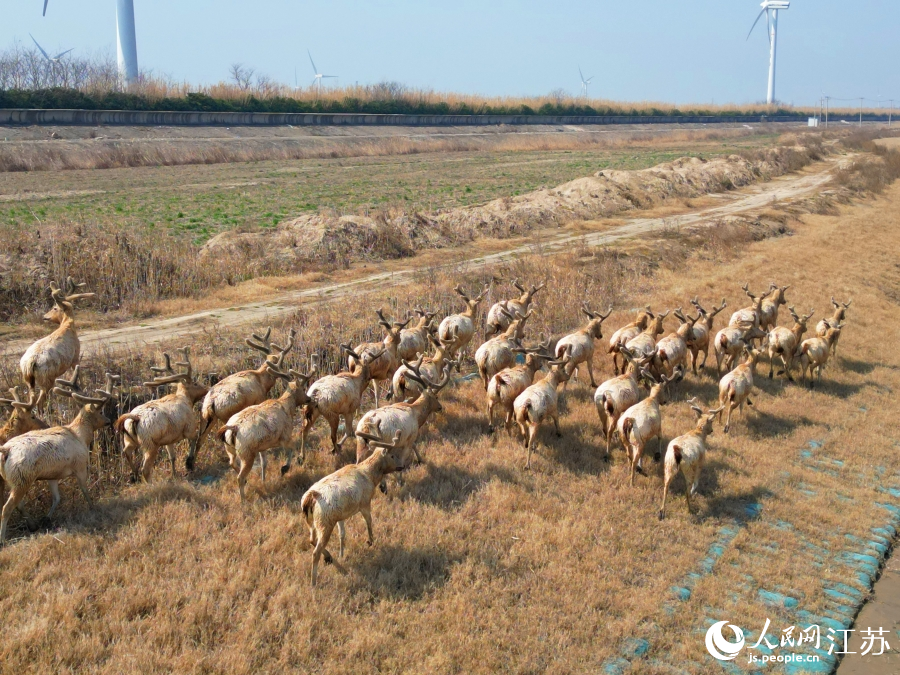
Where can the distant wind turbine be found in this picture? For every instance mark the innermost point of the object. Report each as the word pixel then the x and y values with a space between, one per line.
pixel 584 82
pixel 317 80
pixel 51 59
pixel 770 9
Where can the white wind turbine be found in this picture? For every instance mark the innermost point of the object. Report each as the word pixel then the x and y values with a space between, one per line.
pixel 126 42
pixel 770 9
pixel 317 80
pixel 51 59
pixel 584 82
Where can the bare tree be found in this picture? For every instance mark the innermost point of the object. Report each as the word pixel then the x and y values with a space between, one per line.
pixel 242 76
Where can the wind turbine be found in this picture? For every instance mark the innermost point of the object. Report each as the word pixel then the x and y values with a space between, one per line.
pixel 317 80
pixel 770 9
pixel 584 82
pixel 51 59
pixel 126 42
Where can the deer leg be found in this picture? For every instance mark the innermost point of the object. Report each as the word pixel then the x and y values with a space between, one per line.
pixel 246 468
pixel 731 406
pixel 16 495
pixel 170 451
pixel 590 369
pixel 81 475
pixel 54 490
pixel 324 536
pixel 490 415
pixel 529 444
pixel 341 534
pixel 367 516
pixel 375 389
pixel 150 455
pixel 670 475
pixel 262 465
pixel 205 426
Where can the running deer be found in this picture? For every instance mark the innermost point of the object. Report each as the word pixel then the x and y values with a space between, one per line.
pixel 261 427
pixel 408 389
pixel 498 321
pixel 748 315
pixel 415 340
pixel 497 353
pixel 768 309
pixel 730 342
pixel 381 367
pixel 783 342
pixel 672 350
pixel 539 402
pixel 505 386
pixel 162 422
pixel 241 390
pixel 687 454
pixel 735 388
pixel 840 311
pixel 701 332
pixel 55 453
pixel 342 494
pixel 641 422
pixel 813 353
pixel 456 330
pixel 580 344
pixel 334 397
pixel 621 337
pixel 644 343
pixel 618 394
pixel 21 419
pixel 53 356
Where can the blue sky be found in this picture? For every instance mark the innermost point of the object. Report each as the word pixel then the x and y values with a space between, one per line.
pixel 663 50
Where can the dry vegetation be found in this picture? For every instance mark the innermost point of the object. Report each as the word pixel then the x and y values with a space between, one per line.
pixel 479 566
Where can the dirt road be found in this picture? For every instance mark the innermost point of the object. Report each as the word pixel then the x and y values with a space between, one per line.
pixel 753 198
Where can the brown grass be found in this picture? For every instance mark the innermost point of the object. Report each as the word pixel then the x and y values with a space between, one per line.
pixel 479 566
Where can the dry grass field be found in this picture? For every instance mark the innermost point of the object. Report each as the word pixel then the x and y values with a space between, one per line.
pixel 479 565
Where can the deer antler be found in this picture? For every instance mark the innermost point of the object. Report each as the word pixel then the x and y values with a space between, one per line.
pixel 515 282
pixel 260 342
pixel 283 350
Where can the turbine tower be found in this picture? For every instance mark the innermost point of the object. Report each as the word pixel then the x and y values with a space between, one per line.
pixel 584 82
pixel 770 9
pixel 126 42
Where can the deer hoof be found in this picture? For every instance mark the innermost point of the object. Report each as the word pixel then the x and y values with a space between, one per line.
pixel 285 468
pixel 326 556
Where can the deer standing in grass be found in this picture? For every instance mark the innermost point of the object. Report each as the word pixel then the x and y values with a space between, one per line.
pixel 334 397
pixel 644 343
pixel 409 389
pixel 498 320
pixel 783 342
pixel 415 340
pixel 162 422
pixel 241 390
pixel 735 387
pixel 580 344
pixel 768 308
pixel 539 402
pixel 505 386
pixel 497 353
pixel 840 311
pixel 21 419
pixel 672 350
pixel 687 453
pixel 641 422
pixel 456 330
pixel 701 332
pixel 382 366
pixel 261 427
pixel 342 494
pixel 53 356
pixel 618 394
pixel 748 315
pixel 730 342
pixel 622 336
pixel 813 353
pixel 56 453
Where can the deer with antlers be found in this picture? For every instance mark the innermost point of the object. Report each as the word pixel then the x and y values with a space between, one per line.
pixel 783 342
pixel 731 341
pixel 735 387
pixel 55 453
pixel 415 340
pixel 505 386
pixel 626 333
pixel 382 366
pixel 334 397
pixel 641 422
pixel 813 353
pixel 241 390
pixel 768 308
pixel 619 393
pixel 497 353
pixel 343 494
pixel 53 356
pixel 498 320
pixel 750 315
pixel 580 344
pixel 22 418
pixel 698 341
pixel 162 422
pixel 409 389
pixel 644 343
pixel 840 312
pixel 261 427
pixel 539 402
pixel 457 330
pixel 672 350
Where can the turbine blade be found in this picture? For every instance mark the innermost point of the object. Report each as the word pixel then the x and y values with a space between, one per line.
pixel 62 54
pixel 46 55
pixel 314 82
pixel 315 70
pixel 45 7
pixel 580 74
pixel 590 78
pixel 758 17
pixel 330 76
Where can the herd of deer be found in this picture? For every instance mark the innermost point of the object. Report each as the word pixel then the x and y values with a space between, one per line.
pixel 251 423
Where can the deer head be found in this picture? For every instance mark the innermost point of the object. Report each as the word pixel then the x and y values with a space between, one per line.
pixel 62 301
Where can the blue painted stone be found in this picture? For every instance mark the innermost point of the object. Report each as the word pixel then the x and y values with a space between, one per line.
pixel 753 510
pixel 635 648
pixel 683 594
pixel 615 666
pixel 815 444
